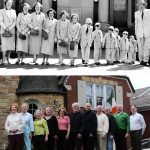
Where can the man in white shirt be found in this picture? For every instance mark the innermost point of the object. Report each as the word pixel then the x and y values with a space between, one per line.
pixel 142 32
pixel 137 128
pixel 102 129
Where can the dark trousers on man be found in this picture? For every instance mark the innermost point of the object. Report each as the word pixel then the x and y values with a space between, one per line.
pixel 75 142
pixel 88 142
pixel 120 140
pixel 136 137
pixel 16 142
pixel 39 142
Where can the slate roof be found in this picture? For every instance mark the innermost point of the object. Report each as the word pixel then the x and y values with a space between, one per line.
pixel 40 84
pixel 141 99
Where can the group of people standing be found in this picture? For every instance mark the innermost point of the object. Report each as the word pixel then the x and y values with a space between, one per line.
pixel 87 130
pixel 36 34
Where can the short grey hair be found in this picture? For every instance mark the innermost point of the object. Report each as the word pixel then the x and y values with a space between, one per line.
pixel 76 104
pixel 37 111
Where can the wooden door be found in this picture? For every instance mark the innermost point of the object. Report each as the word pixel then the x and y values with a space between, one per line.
pixel 120 13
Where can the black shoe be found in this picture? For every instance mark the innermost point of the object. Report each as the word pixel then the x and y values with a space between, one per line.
pixel 17 62
pixel 47 63
pixel 111 63
pixel 22 63
pixel 145 64
pixel 62 64
pixel 85 64
pixel 83 61
pixel 142 62
pixel 36 64
pixel 97 63
pixel 42 63
pixel 71 65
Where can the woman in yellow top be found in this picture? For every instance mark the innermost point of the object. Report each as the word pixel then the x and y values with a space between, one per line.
pixel 41 131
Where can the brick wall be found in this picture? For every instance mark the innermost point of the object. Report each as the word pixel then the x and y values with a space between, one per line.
pixel 73 95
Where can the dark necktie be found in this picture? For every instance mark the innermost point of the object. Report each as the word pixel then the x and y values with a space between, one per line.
pixel 142 14
pixel 87 30
pixel 110 35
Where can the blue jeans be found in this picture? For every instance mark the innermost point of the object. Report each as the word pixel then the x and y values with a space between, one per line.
pixel 110 142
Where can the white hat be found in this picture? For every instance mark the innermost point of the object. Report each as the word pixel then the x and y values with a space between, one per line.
pixel 88 21
pixel 125 32
pixel 111 28
pixel 97 24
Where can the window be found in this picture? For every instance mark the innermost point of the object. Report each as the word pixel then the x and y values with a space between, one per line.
pixel 33 106
pixel 97 94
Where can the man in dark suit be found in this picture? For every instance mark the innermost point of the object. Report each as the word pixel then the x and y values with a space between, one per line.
pixel 89 128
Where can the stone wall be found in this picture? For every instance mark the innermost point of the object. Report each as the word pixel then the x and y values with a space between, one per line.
pixel 55 101
pixel 8 87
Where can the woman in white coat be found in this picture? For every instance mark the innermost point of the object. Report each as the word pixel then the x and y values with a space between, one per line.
pixel 37 18
pixel 50 27
pixel 23 21
pixel 7 23
pixel 62 35
pixel 73 33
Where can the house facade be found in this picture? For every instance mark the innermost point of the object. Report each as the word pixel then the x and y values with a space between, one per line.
pixel 58 91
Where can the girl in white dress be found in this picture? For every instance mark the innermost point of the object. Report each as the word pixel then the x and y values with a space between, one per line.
pixel 23 21
pixel 7 23
pixel 73 33
pixel 37 19
pixel 50 27
pixel 62 35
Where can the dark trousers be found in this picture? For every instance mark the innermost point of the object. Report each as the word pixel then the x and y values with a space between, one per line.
pixel 62 143
pixel 16 142
pixel 120 140
pixel 136 137
pixel 39 142
pixel 50 145
pixel 74 142
pixel 88 142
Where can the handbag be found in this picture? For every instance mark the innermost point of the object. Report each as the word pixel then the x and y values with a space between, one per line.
pixel 34 32
pixel 72 45
pixel 44 34
pixel 7 34
pixel 22 37
pixel 63 44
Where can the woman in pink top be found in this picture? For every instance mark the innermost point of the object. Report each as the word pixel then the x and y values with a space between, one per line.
pixel 64 129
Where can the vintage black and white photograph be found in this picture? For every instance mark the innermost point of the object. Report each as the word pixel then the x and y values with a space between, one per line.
pixel 72 36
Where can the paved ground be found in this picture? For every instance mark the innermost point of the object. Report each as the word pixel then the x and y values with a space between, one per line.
pixel 136 72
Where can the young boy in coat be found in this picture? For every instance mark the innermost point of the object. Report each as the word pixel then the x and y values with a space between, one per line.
pixel 86 38
pixel 124 47
pixel 97 37
pixel 132 50
pixel 110 44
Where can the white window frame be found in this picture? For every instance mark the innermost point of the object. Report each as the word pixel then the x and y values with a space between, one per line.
pixel 94 102
pixel 36 102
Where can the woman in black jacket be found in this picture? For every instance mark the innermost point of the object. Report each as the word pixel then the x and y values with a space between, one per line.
pixel 53 128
